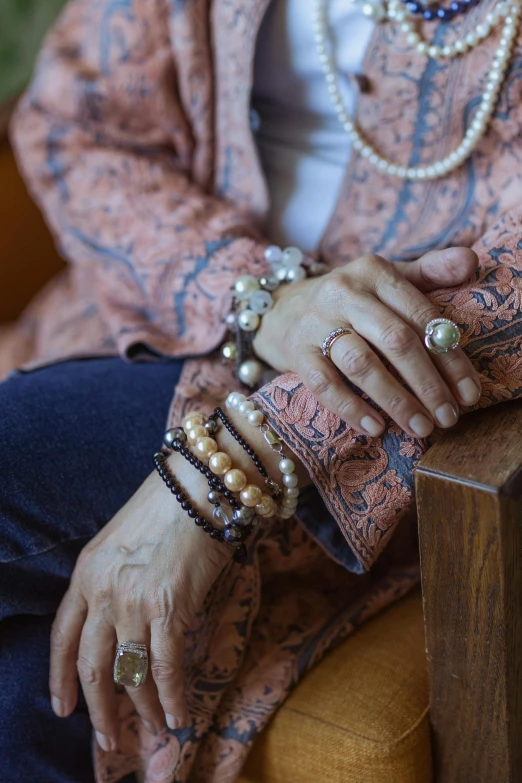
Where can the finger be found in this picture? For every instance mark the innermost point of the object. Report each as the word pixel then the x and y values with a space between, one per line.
pixel 402 346
pixel 166 662
pixel 95 669
pixel 440 268
pixel 322 379
pixel 413 307
pixel 145 697
pixel 65 640
pixel 360 364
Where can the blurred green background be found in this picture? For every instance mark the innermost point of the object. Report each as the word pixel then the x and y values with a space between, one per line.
pixel 23 24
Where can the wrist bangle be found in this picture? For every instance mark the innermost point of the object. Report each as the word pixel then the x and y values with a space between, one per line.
pixel 252 299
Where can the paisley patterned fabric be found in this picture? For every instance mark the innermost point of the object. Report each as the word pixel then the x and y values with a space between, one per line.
pixel 135 140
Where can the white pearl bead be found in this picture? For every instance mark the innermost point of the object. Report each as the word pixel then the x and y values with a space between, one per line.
pixel 250 372
pixel 291 492
pixel 295 274
pixel 286 465
pixel 248 321
pixel 260 302
pixel 290 480
pixel 233 400
pixel 292 256
pixel 281 273
pixel 246 407
pixel 273 254
pixel 256 418
pixel 245 285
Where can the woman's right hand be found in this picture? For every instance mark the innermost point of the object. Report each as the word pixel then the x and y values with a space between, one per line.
pixel 386 306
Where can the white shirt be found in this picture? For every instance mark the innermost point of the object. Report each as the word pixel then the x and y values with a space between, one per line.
pixel 303 148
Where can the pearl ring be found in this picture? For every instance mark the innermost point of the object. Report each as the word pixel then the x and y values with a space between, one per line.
pixel 442 335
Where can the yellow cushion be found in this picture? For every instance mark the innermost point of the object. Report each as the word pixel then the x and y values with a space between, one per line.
pixel 361 716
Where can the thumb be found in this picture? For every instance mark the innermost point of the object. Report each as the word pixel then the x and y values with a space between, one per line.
pixel 440 268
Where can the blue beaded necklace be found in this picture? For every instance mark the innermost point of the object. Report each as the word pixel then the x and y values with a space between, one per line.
pixel 436 12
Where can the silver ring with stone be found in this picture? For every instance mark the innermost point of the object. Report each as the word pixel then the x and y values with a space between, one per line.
pixel 131 664
pixel 332 337
pixel 442 335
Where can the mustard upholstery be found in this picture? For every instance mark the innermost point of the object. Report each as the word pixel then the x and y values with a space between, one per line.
pixel 361 716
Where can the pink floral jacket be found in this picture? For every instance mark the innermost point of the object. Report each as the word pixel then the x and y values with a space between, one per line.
pixel 135 140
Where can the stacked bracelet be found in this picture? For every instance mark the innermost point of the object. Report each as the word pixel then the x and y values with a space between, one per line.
pixel 255 417
pixel 252 299
pixel 160 463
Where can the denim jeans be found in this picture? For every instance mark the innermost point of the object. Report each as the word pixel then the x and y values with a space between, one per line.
pixel 76 441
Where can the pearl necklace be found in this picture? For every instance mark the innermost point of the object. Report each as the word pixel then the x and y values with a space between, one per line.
pixel 407 25
pixel 474 132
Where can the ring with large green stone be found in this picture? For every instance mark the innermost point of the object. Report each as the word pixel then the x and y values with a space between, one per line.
pixel 442 335
pixel 131 664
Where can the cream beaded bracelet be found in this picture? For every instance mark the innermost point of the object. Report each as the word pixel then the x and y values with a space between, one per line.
pixel 256 418
pixel 252 299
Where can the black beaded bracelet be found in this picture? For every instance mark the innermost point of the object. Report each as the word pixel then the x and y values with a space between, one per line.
pixel 233 536
pixel 272 485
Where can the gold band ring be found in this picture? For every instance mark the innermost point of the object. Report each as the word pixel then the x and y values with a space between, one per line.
pixel 332 337
pixel 131 664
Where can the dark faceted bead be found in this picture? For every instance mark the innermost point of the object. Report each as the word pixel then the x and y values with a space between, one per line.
pixel 186 504
pixel 207 527
pixel 208 473
pixel 429 14
pixel 214 533
pixel 176 446
pixel 176 488
pixel 415 8
pixel 228 494
pixel 169 482
pixel 180 497
pixel 199 521
pixel 249 451
pixel 192 512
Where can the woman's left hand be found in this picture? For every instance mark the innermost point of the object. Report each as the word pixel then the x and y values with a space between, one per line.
pixel 141 579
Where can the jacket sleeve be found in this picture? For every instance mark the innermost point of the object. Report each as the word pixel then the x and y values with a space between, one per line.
pixel 103 140
pixel 367 483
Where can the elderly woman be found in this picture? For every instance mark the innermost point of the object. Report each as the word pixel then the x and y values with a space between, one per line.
pixel 307 202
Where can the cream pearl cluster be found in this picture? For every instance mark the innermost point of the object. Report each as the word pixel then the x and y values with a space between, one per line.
pixel 399 14
pixel 256 418
pixel 482 116
pixel 199 432
pixel 252 299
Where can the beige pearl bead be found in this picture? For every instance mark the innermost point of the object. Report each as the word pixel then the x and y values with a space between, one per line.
pixel 265 505
pixel 193 420
pixel 256 418
pixel 206 447
pixel 220 463
pixel 235 480
pixel 197 432
pixel 251 495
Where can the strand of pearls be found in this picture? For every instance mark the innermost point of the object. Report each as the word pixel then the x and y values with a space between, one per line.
pixel 398 14
pixel 474 132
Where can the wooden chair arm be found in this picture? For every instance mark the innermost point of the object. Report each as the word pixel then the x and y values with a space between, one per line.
pixel 469 500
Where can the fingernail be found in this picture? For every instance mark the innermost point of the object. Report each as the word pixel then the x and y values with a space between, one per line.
pixel 58 706
pixel 371 425
pixel 469 391
pixel 446 415
pixel 103 741
pixel 172 722
pixel 421 425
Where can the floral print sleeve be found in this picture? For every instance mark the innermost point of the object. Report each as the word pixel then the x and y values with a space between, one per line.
pixel 118 154
pixel 367 483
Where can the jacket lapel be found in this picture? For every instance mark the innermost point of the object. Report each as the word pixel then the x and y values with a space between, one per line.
pixel 238 175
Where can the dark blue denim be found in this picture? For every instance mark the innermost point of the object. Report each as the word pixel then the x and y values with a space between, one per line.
pixel 76 440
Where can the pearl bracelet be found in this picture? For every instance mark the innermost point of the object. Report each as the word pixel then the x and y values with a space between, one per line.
pixel 252 299
pixel 256 418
